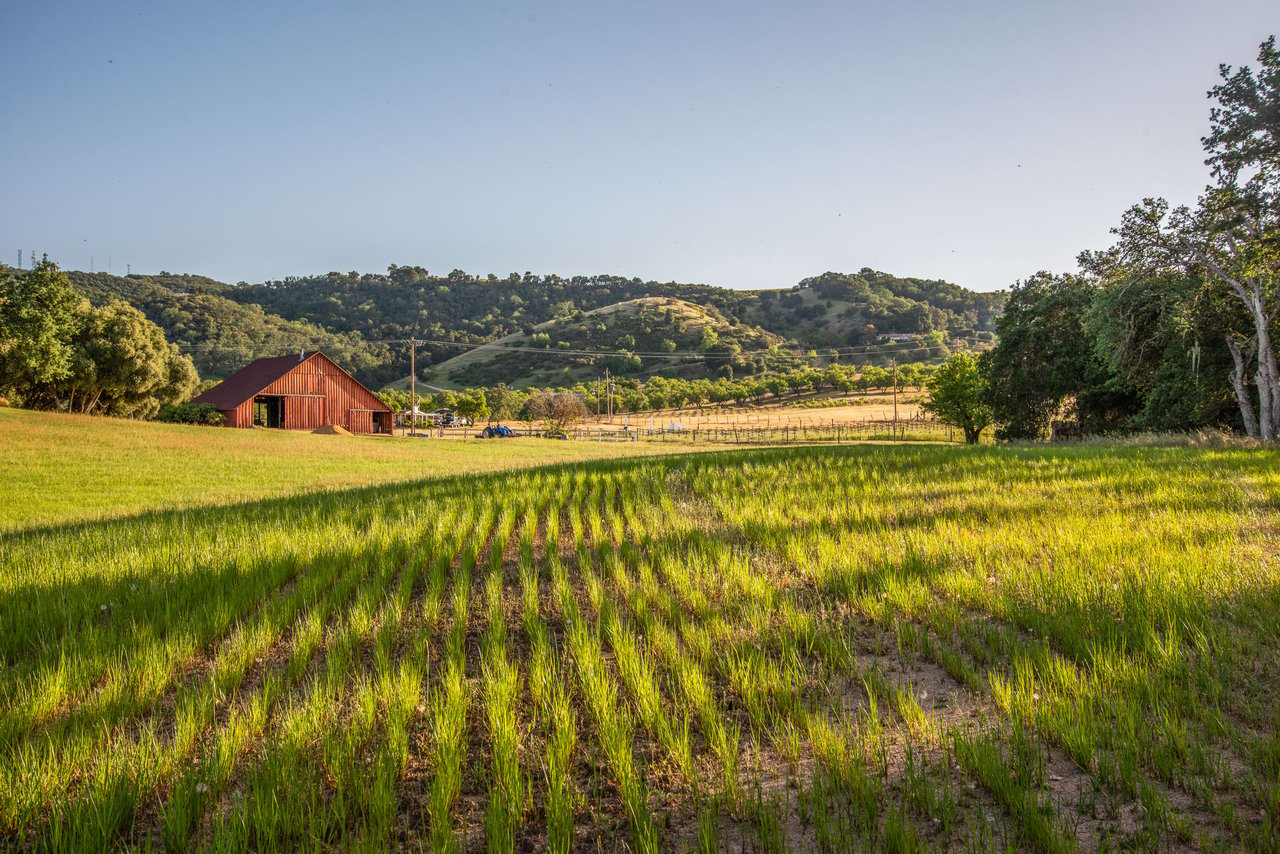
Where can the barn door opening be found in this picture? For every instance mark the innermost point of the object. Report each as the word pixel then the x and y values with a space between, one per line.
pixel 268 412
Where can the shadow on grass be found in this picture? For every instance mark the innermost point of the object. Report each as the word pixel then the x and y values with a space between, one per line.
pixel 63 609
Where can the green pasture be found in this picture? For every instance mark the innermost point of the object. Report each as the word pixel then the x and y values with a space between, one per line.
pixel 828 648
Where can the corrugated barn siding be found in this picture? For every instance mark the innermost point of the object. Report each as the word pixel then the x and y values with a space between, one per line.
pixel 241 416
pixel 303 413
pixel 316 393
pixel 360 421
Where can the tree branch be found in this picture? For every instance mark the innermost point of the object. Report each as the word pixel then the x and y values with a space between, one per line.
pixel 1221 273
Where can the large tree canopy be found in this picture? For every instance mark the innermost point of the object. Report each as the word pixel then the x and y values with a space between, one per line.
pixel 1045 364
pixel 59 352
pixel 957 396
pixel 1245 119
pixel 123 366
pixel 40 314
pixel 1229 241
pixel 1159 337
pixel 1173 326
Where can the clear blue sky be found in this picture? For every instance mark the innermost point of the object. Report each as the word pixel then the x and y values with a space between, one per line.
pixel 734 143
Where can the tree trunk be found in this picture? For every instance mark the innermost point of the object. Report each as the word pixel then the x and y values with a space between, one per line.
pixel 1267 376
pixel 972 435
pixel 1266 426
pixel 1239 383
pixel 1251 292
pixel 1267 363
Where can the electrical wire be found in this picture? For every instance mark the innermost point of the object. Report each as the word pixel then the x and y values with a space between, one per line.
pixel 890 348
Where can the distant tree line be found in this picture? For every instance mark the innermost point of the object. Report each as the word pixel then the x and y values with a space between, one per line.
pixel 832 310
pixel 352 316
pixel 60 352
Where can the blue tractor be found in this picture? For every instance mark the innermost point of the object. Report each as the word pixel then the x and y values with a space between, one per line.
pixel 497 431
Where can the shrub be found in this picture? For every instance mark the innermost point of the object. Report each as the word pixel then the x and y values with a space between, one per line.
pixel 557 412
pixel 190 413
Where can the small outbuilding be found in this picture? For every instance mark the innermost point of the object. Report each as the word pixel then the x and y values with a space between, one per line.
pixel 302 392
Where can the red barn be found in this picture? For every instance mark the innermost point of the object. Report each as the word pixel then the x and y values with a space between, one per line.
pixel 298 393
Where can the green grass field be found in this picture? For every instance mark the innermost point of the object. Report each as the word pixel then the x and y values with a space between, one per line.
pixel 831 649
pixel 61 468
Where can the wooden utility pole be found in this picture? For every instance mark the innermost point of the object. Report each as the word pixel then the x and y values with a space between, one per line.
pixel 608 390
pixel 894 361
pixel 413 389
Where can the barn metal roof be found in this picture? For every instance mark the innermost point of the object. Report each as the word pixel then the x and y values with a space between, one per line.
pixel 245 383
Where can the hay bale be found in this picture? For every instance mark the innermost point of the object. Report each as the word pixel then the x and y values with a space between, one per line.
pixel 332 430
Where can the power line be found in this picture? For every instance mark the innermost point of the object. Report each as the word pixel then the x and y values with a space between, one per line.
pixel 891 348
pixel 827 352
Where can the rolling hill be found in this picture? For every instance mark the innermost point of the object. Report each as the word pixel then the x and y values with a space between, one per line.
pixel 543 330
pixel 650 336
pixel 222 335
pixel 841 310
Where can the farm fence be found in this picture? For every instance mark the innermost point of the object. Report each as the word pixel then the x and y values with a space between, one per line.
pixel 859 431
